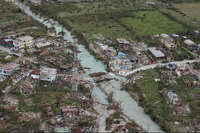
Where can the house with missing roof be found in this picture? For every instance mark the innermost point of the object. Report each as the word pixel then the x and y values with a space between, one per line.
pixel 189 44
pixel 8 69
pixel 35 74
pixel 8 43
pixel 41 42
pixel 156 55
pixel 168 41
pixel 27 89
pixel 23 41
pixel 48 74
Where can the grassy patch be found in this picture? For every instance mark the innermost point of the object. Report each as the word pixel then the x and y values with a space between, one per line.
pixel 13 20
pixel 145 23
pixel 111 118
pixel 154 103
pixel 98 24
pixel 186 13
pixel 149 86
pixel 150 98
pixel 69 8
pixel 196 66
pixel 180 54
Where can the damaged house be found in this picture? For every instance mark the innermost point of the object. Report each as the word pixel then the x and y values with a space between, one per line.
pixel 8 69
pixel 156 54
pixel 41 42
pixel 173 97
pixel 24 41
pixel 35 74
pixel 48 74
pixel 27 89
pixel 167 41
pixel 123 43
pixel 189 44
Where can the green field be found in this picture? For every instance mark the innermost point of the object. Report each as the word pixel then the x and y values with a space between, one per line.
pixel 151 22
pixel 100 18
pixel 91 17
pixel 186 13
pixel 72 8
pixel 190 9
pixel 149 97
pixel 98 24
pixel 142 23
pixel 13 20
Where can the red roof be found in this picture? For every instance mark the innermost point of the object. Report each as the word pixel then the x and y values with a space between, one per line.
pixel 35 72
pixel 1 122
pixel 8 66
pixel 2 40
pixel 64 109
pixel 76 130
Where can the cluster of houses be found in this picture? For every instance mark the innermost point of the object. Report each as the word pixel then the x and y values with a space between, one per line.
pixel 171 71
pixel 170 42
pixel 26 41
pixel 122 63
pixel 7 69
pixel 49 65
pixel 44 74
pixel 61 123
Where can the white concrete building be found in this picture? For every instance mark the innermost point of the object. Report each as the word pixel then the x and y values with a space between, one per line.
pixel 24 41
pixel 48 74
pixel 157 54
pixel 172 97
pixel 35 74
pixel 39 43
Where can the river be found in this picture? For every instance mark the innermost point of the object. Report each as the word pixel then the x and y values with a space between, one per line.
pixel 127 104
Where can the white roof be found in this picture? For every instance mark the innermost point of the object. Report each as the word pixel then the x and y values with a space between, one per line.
pixel 122 40
pixel 189 42
pixel 156 53
pixel 175 35
pixel 47 72
pixel 196 31
pixel 42 44
pixel 104 47
pixel 25 38
pixel 164 35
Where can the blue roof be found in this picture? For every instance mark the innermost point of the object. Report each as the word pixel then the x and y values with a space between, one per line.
pixel 121 54
pixel 126 60
pixel 124 67
pixel 115 58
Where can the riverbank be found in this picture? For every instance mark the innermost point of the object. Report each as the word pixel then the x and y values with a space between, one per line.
pixel 123 98
pixel 152 89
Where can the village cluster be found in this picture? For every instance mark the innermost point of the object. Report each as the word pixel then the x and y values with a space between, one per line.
pixel 137 82
pixel 41 67
pixel 127 55
pixel 169 89
pixel 38 64
pixel 19 47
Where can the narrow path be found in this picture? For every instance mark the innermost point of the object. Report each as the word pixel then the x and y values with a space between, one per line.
pixel 160 64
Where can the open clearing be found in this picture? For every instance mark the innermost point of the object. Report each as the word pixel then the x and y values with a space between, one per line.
pixel 151 22
pixel 111 18
pixel 186 13
pixel 190 9
pixel 98 24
